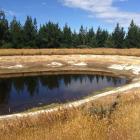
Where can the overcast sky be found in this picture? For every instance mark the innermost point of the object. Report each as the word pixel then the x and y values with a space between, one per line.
pixel 103 13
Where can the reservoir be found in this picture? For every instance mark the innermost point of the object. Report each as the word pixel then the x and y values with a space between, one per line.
pixel 19 94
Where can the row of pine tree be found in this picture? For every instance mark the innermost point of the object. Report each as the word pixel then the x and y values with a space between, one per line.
pixel 50 35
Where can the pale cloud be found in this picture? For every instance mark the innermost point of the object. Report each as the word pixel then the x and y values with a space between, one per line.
pixel 9 12
pixel 104 9
pixel 43 3
pixel 123 0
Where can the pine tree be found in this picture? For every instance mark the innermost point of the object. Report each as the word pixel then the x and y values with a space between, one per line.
pixel 133 36
pixel 75 38
pixel 82 36
pixel 30 32
pixel 67 36
pixel 109 43
pixel 4 29
pixel 50 36
pixel 16 34
pixel 118 36
pixel 91 38
pixel 101 37
pixel 54 35
pixel 42 38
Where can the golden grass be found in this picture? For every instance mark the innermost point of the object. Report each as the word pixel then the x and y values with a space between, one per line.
pixel 99 120
pixel 111 118
pixel 96 51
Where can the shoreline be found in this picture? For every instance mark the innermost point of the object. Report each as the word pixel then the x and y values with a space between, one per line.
pixel 86 64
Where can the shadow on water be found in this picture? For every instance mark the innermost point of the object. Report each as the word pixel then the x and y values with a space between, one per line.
pixel 21 93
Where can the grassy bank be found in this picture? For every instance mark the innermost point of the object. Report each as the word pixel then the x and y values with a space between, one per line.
pixel 109 118
pixel 96 51
pixel 114 118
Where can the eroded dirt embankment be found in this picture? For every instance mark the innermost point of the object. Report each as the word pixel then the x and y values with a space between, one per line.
pixel 111 65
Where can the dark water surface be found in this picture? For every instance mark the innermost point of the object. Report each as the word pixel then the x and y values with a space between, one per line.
pixel 21 93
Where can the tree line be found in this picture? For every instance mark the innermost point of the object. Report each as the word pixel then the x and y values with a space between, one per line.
pixel 15 35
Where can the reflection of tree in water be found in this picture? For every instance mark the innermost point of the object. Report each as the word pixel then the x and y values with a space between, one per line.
pixel 51 81
pixel 102 77
pixel 5 87
pixel 119 80
pixel 67 79
pixel 91 78
pixel 77 77
pixel 18 84
pixel 109 79
pixel 97 78
pixel 115 81
pixel 32 85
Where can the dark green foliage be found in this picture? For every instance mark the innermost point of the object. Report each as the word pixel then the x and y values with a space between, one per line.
pixel 74 39
pixel 133 36
pixel 42 37
pixel 16 34
pixel 4 29
pixel 109 43
pixel 53 35
pixel 101 37
pixel 30 32
pixel 50 35
pixel 91 38
pixel 66 36
pixel 118 37
pixel 82 37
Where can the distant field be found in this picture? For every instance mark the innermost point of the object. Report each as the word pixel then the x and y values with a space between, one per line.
pixel 96 51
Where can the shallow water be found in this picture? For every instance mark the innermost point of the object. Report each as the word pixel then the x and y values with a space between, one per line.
pixel 21 93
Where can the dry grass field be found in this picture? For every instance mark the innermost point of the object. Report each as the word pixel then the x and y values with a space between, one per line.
pixel 115 117
pixel 96 51
pixel 108 120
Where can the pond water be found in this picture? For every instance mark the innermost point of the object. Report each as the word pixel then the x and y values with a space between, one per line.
pixel 21 93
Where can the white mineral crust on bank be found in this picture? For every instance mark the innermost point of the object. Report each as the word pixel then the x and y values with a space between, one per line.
pixel 55 64
pixel 80 64
pixel 13 67
pixel 134 68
